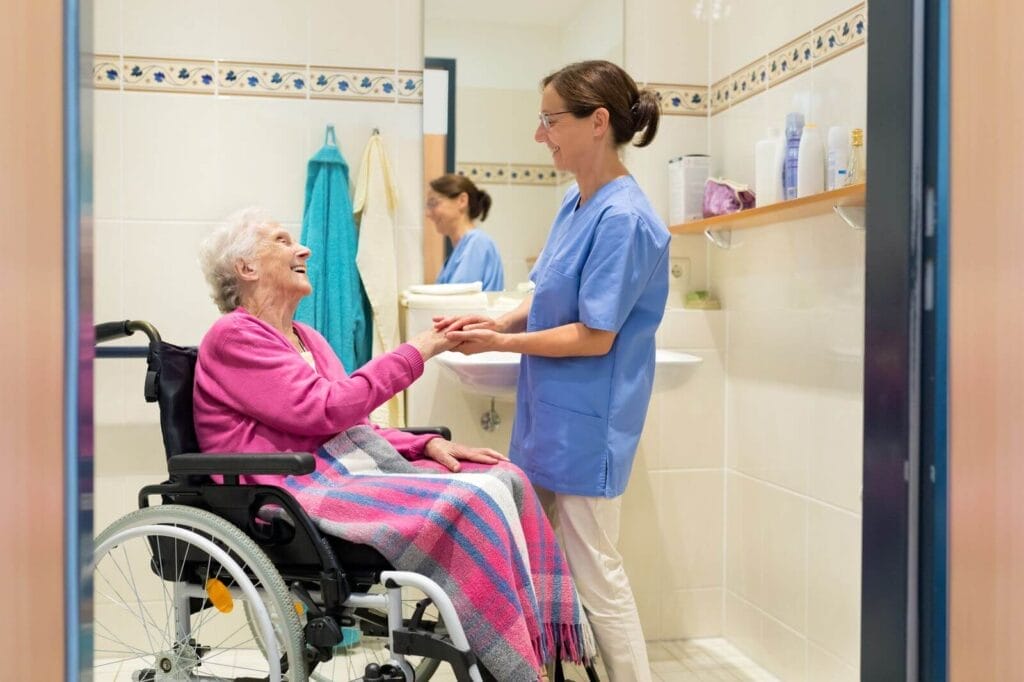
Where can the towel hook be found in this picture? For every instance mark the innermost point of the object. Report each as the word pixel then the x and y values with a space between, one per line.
pixel 329 137
pixel 376 131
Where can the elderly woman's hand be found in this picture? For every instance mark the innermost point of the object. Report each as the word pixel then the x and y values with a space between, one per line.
pixel 448 453
pixel 429 343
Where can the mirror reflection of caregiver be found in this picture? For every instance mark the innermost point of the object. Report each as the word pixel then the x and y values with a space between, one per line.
pixel 453 203
pixel 587 339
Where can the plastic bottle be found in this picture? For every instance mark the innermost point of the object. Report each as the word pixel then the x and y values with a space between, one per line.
pixel 767 169
pixel 837 157
pixel 810 163
pixel 857 170
pixel 794 127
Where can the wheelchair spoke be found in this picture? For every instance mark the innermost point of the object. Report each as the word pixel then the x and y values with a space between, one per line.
pixel 139 574
pixel 130 583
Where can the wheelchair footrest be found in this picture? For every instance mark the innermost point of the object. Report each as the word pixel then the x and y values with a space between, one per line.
pixel 420 643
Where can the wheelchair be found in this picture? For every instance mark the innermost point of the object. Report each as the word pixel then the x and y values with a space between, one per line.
pixel 235 582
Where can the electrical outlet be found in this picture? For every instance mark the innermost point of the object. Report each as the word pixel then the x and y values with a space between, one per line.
pixel 678 270
pixel 678 279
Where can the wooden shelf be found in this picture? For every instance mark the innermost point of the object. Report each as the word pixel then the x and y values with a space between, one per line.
pixel 784 211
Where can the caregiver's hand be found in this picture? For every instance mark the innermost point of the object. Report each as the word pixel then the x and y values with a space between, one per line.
pixel 448 453
pixel 457 323
pixel 472 341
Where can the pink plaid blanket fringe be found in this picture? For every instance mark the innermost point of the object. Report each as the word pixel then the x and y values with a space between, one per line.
pixel 480 534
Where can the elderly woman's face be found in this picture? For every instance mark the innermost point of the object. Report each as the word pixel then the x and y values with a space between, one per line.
pixel 281 261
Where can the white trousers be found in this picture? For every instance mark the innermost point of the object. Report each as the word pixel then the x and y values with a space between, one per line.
pixel 588 530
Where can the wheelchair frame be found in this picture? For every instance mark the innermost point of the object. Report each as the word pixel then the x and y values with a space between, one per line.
pixel 301 555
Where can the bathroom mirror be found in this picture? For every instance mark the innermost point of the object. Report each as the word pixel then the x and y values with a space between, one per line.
pixel 500 51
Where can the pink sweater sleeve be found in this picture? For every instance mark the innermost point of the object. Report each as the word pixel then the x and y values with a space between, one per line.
pixel 252 369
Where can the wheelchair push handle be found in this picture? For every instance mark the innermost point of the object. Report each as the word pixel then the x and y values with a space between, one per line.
pixel 108 331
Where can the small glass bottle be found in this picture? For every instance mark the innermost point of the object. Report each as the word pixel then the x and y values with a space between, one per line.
pixel 857 170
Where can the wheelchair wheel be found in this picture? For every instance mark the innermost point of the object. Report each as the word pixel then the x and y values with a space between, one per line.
pixel 167 580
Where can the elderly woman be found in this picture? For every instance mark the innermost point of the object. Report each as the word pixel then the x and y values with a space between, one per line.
pixel 267 383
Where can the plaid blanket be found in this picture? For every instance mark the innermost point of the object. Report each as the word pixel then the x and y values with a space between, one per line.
pixel 480 534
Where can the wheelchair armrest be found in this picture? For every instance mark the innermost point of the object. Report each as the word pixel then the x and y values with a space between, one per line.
pixel 241 463
pixel 442 431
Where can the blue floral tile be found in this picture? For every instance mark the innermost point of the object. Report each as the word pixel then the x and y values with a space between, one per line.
pixel 681 100
pixel 841 34
pixel 366 84
pixel 490 173
pixel 106 72
pixel 145 73
pixel 273 80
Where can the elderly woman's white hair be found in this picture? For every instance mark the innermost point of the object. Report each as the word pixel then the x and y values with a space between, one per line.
pixel 234 240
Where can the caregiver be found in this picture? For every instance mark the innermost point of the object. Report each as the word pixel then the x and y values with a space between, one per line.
pixel 587 339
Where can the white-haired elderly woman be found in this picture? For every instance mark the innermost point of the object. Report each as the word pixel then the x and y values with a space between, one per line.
pixel 267 383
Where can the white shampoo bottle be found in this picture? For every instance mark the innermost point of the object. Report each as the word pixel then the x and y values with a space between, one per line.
pixel 837 158
pixel 768 169
pixel 810 173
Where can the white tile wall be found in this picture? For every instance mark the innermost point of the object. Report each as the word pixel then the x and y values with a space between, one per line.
pixel 665 42
pixel 189 28
pixel 497 125
pixel 272 31
pixel 170 157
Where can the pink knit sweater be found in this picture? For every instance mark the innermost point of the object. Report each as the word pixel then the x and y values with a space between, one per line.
pixel 254 393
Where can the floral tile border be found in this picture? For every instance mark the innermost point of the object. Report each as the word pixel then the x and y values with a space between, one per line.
pixel 511 173
pixel 112 72
pixel 374 84
pixel 831 39
pixel 681 100
pixel 281 80
pixel 214 77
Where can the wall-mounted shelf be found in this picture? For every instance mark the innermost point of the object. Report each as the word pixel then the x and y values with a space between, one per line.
pixel 784 211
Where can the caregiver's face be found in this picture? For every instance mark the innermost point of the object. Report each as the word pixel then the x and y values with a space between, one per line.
pixel 560 130
pixel 445 211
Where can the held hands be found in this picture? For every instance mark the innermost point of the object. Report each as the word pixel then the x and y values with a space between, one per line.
pixel 431 342
pixel 472 333
pixel 448 453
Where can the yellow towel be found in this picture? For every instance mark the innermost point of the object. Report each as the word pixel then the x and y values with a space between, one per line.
pixel 374 204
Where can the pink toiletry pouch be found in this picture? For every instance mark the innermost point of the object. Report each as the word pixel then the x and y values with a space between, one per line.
pixel 722 196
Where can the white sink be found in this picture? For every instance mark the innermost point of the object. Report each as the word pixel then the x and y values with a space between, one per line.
pixel 495 373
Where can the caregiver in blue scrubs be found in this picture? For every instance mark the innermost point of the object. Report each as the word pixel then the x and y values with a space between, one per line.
pixel 587 339
pixel 454 203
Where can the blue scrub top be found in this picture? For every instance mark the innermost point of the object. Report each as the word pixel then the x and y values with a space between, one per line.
pixel 475 259
pixel 578 419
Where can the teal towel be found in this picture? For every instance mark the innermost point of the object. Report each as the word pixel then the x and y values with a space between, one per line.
pixel 338 307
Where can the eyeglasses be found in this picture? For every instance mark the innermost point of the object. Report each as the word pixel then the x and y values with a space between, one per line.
pixel 545 117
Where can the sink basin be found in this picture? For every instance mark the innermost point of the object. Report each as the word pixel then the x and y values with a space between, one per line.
pixel 495 373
